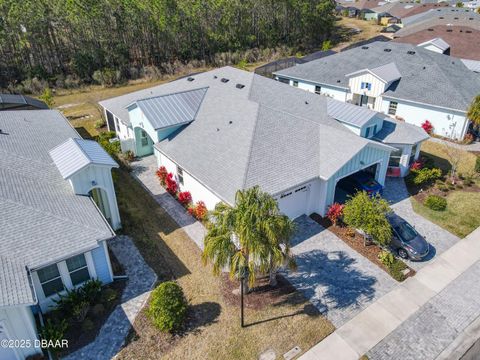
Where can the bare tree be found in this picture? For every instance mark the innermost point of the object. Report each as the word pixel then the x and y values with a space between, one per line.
pixel 454 156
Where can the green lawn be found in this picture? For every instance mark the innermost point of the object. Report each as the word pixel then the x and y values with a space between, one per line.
pixel 436 151
pixel 461 216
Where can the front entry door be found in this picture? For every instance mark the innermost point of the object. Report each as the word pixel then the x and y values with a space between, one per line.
pixel 363 100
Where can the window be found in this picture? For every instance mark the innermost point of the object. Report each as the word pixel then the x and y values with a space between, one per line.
pixel 117 126
pixel 395 157
pixel 50 280
pixel 295 83
pixel 318 89
pixel 180 175
pixel 367 132
pixel 392 108
pixel 412 154
pixel 366 85
pixel 78 269
pixel 144 138
pixel 283 80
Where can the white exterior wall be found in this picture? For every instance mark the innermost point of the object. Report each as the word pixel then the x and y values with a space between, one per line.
pixel 377 88
pixel 95 176
pixel 448 123
pixel 18 323
pixel 138 119
pixel 198 191
pixel 330 91
pixel 47 303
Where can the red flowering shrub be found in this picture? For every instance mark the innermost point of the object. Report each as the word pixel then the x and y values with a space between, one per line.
pixel 417 165
pixel 171 184
pixel 335 212
pixel 427 126
pixel 198 211
pixel 162 175
pixel 185 198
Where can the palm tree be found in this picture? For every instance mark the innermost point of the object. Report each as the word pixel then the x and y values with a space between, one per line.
pixel 249 237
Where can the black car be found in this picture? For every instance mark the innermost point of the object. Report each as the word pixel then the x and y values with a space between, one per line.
pixel 406 240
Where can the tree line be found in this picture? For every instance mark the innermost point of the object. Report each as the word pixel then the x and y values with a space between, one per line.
pixel 47 38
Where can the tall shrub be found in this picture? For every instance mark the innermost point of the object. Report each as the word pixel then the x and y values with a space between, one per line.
pixel 168 306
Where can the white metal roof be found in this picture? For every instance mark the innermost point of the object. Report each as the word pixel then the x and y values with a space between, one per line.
pixel 74 154
pixel 438 42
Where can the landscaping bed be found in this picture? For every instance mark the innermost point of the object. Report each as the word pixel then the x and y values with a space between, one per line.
pixel 371 251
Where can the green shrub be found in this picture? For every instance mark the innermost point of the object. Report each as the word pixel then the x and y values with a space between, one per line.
pixel 386 258
pixel 80 310
pixel 99 124
pixel 54 332
pixel 108 296
pixel 91 290
pixel 168 306
pixel 98 310
pixel 443 187
pixel 451 186
pixel 477 164
pixel 436 203
pixel 459 186
pixel 88 325
pixel 425 175
pixel 396 270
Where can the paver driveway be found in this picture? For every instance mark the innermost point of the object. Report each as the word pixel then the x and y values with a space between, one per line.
pixel 439 239
pixel 335 278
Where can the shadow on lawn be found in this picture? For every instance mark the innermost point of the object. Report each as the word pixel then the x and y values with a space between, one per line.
pixel 201 315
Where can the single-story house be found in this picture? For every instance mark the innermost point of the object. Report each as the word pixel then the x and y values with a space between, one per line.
pixel 20 102
pixel 57 210
pixel 401 80
pixel 229 129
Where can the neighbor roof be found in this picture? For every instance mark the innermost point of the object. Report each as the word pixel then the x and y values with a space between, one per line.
pixel 15 287
pixel 257 134
pixel 350 114
pixel 14 101
pixel 442 16
pixel 172 109
pixel 41 218
pixel 399 132
pixel 438 42
pixel 421 72
pixel 472 65
pixel 401 9
pixel 75 154
pixel 464 41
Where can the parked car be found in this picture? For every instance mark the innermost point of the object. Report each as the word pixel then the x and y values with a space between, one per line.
pixel 361 181
pixel 406 240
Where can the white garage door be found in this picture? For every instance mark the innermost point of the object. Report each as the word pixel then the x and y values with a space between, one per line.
pixel 294 202
pixel 5 352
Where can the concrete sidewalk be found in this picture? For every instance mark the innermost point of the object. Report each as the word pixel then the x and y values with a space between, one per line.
pixel 408 300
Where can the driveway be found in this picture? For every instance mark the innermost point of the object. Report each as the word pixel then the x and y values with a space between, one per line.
pixel 335 278
pixel 440 239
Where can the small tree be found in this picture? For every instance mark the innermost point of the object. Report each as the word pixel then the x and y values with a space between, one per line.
pixel 455 156
pixel 459 4
pixel 47 97
pixel 335 212
pixel 369 215
pixel 474 110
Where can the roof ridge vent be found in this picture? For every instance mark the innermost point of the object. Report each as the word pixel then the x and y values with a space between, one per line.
pixel 224 80
pixel 410 52
pixel 190 78
pixel 239 86
pixel 364 47
pixel 387 50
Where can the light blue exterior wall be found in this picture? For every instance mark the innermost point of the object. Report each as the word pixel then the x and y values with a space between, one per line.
pixel 102 264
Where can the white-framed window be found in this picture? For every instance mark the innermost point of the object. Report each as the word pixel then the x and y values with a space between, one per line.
pixel 318 89
pixel 144 138
pixel 78 269
pixel 366 85
pixel 180 175
pixel 50 280
pixel 295 83
pixel 392 108
pixel 395 157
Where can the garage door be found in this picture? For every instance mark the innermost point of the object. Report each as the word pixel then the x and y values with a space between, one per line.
pixel 6 353
pixel 294 202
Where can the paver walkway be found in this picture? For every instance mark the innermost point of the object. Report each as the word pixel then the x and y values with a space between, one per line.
pixel 334 277
pixel 141 278
pixel 420 318
pixel 439 239
pixel 144 171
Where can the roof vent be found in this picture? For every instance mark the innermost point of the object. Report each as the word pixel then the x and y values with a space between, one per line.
pixel 338 81
pixel 468 31
pixel 306 102
pixel 215 76
pixel 224 80
pixel 190 78
pixel 449 30
pixel 455 18
pixel 387 50
pixel 430 29
pixel 364 47
pixel 424 68
pixel 230 122
pixel 411 52
pixel 239 86
pixel 470 18
pixel 441 17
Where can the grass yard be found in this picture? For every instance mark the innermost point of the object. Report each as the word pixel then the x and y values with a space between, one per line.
pixel 437 152
pixel 214 331
pixel 345 25
pixel 461 216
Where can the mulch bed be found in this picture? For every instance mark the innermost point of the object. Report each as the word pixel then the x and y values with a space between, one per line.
pixel 356 242
pixel 420 193
pixel 261 296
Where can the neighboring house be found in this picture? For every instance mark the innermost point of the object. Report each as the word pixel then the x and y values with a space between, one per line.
pixel 228 129
pixel 398 10
pixel 53 233
pixel 441 16
pixel 459 41
pixel 390 30
pixel 400 80
pixel 20 102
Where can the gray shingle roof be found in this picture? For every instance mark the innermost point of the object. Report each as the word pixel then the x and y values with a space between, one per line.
pixel 399 132
pixel 268 134
pixel 75 154
pixel 457 16
pixel 15 288
pixel 173 109
pixel 42 220
pixel 421 73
